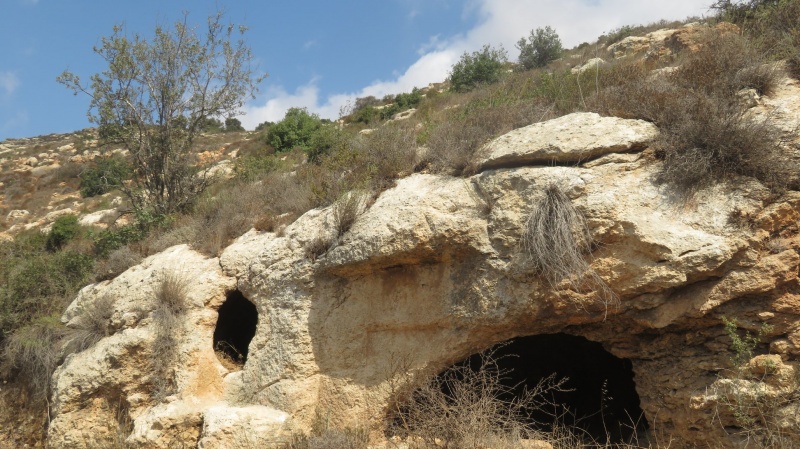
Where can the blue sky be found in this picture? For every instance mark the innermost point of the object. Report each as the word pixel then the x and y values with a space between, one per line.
pixel 318 54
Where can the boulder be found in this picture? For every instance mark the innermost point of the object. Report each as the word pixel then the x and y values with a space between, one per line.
pixel 570 139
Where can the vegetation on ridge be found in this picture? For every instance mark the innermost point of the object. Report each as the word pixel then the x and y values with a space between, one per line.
pixel 302 162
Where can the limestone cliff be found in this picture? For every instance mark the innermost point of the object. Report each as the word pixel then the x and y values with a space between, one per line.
pixel 431 273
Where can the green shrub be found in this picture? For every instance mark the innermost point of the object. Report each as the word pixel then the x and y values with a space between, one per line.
pixel 104 175
pixel 35 282
pixel 401 103
pixel 113 238
pixel 232 124
pixel 252 168
pixel 297 129
pixel 542 47
pixel 617 34
pixel 366 115
pixel 328 138
pixel 484 66
pixel 211 125
pixel 64 229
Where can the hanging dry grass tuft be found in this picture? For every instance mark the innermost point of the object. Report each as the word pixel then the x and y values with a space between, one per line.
pixel 555 240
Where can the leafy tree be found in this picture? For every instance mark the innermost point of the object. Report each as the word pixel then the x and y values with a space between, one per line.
pixel 263 126
pixel 542 47
pixel 156 96
pixel 297 129
pixel 233 124
pixel 210 125
pixel 484 66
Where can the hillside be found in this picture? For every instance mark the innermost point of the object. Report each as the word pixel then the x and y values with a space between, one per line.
pixel 625 218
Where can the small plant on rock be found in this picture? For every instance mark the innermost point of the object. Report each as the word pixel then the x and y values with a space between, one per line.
pixel 555 240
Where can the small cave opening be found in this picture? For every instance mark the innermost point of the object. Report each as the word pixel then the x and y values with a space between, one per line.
pixel 597 401
pixel 236 326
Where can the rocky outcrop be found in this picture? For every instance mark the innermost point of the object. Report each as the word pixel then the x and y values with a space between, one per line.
pixel 667 42
pixel 569 139
pixel 433 272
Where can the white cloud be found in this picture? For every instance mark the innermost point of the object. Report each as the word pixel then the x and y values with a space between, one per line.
pixel 501 22
pixel 9 82
pixel 309 44
pixel 279 100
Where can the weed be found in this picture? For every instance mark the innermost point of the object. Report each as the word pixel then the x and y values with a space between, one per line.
pixel 555 238
pixel 346 210
pixel 92 324
pixel 172 293
pixel 318 246
pixel 468 408
pixel 755 405
pixel 171 297
pixel 117 262
pixel 32 353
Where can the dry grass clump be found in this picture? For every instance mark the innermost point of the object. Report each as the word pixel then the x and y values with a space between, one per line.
pixel 227 215
pixel 713 141
pixel 171 304
pixel 318 246
pixel 469 408
pixel 555 240
pixel 706 134
pixel 117 262
pixel 32 353
pixel 92 324
pixel 331 438
pixel 172 293
pixel 346 210
pixel 452 147
pixel 389 152
pixel 725 64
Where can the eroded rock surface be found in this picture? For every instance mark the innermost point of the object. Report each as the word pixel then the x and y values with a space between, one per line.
pixel 433 272
pixel 572 138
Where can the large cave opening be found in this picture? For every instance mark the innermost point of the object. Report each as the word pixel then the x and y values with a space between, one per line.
pixel 597 401
pixel 235 328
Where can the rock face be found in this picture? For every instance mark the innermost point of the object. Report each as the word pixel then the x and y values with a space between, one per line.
pixel 433 272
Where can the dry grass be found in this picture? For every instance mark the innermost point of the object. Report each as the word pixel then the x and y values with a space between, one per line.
pixel 469 408
pixel 172 292
pixel 32 353
pixel 725 64
pixel 452 147
pixel 318 246
pixel 389 152
pixel 117 262
pixel 706 135
pixel 555 242
pixel 92 324
pixel 171 298
pixel 346 211
pixel 227 215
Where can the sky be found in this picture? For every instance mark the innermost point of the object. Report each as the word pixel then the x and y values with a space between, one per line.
pixel 318 54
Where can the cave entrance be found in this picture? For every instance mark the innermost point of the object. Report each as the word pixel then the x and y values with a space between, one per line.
pixel 599 400
pixel 235 328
